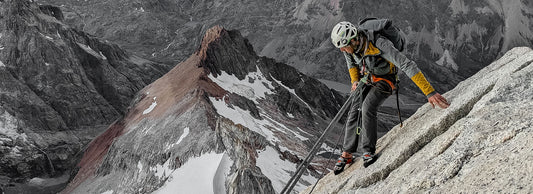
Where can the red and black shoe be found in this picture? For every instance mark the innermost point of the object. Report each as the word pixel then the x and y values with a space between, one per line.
pixel 368 159
pixel 341 163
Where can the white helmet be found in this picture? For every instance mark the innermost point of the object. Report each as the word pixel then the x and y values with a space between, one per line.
pixel 342 33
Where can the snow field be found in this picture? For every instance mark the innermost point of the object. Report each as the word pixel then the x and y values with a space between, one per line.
pixel 279 171
pixel 252 91
pixel 198 175
pixel 243 117
pixel 276 169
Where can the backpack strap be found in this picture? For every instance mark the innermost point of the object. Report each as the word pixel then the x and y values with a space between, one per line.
pixel 366 19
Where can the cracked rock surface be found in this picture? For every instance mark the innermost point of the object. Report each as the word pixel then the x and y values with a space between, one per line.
pixel 481 143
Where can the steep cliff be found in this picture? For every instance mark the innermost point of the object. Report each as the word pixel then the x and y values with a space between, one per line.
pixel 59 88
pixel 481 143
pixel 225 120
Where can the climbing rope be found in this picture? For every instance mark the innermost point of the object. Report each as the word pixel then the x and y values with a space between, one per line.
pixel 301 168
pixel 329 159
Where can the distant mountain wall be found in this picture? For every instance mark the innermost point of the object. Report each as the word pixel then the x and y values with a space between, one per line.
pixel 59 88
pixel 450 40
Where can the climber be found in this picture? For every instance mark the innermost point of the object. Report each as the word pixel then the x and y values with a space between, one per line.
pixel 372 60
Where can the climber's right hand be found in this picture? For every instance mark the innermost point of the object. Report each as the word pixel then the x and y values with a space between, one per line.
pixel 354 85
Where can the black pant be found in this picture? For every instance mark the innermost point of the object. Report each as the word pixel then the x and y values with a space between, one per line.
pixel 371 98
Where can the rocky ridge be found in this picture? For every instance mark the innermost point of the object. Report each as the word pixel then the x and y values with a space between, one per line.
pixel 59 88
pixel 481 143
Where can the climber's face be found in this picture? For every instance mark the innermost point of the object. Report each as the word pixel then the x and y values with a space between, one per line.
pixel 350 48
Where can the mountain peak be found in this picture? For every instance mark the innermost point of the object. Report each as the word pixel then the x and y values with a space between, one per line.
pixel 212 36
pixel 227 50
pixel 225 102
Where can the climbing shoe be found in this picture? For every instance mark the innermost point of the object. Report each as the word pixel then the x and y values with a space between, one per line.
pixel 368 159
pixel 341 163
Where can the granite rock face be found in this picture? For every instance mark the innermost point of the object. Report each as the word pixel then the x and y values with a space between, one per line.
pixel 250 118
pixel 59 88
pixel 481 143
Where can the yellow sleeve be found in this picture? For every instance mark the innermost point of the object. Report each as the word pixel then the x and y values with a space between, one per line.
pixel 422 83
pixel 354 74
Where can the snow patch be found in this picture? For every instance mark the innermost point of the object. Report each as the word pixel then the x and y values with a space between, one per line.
pixel 263 127
pixel 185 134
pixel 89 50
pixel 240 116
pixel 198 175
pixel 108 192
pixel 290 115
pixel 8 127
pixel 162 170
pixel 447 61
pixel 152 106
pixel 286 130
pixel 168 46
pixel 253 91
pixel 140 166
pixel 47 64
pixel 278 170
pixel 2 64
pixel 103 56
pixel 243 117
pixel 46 36
pixel 47 182
pixel 326 149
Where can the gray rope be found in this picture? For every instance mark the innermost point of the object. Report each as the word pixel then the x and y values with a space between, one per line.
pixel 330 157
pixel 301 168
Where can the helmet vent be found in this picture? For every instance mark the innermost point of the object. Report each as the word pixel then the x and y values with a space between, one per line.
pixel 342 33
